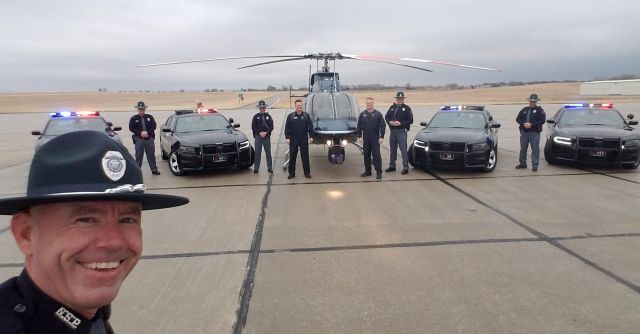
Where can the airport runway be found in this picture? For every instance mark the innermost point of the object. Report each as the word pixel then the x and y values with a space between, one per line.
pixel 511 251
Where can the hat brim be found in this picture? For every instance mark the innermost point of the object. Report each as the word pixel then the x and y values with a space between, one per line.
pixel 141 107
pixel 534 100
pixel 10 206
pixel 399 97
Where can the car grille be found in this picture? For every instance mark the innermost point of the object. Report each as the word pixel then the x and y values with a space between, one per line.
pixel 587 142
pixel 447 146
pixel 219 148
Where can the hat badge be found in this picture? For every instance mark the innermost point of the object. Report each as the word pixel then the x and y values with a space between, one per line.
pixel 114 165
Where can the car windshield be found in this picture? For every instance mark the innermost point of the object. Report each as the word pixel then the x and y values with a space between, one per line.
pixel 463 120
pixel 65 125
pixel 591 117
pixel 195 123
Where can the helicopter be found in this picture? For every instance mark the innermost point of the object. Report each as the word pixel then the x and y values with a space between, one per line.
pixel 333 111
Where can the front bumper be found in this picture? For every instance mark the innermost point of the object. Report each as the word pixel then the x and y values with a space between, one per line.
pixel 458 154
pixel 595 151
pixel 218 156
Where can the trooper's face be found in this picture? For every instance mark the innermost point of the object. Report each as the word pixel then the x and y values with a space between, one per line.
pixel 79 253
pixel 141 111
pixel 369 104
pixel 299 107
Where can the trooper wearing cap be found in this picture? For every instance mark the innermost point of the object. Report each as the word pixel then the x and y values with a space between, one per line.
pixel 531 119
pixel 399 117
pixel 79 228
pixel 262 126
pixel 143 127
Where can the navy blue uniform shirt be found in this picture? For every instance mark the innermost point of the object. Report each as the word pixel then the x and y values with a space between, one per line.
pixel 399 112
pixel 135 125
pixel 25 309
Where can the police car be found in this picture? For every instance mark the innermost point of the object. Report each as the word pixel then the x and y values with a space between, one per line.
pixel 68 121
pixel 592 134
pixel 203 139
pixel 460 136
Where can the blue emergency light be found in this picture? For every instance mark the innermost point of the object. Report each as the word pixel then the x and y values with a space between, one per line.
pixel 73 114
pixel 460 108
pixel 588 105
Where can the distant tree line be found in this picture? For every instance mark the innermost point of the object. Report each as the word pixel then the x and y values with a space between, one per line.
pixel 408 86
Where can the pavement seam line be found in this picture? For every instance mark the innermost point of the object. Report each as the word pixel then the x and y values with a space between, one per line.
pixel 635 288
pixel 252 262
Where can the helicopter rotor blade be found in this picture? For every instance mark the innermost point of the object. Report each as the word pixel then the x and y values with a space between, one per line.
pixel 392 63
pixel 379 58
pixel 217 59
pixel 273 61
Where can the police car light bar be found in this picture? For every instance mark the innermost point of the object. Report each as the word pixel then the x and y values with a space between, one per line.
pixel 454 108
pixel 73 113
pixel 185 111
pixel 589 105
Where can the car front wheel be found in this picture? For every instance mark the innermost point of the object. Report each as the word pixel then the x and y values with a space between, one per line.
pixel 174 164
pixel 492 161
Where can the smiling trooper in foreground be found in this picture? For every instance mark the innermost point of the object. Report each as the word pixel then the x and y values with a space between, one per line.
pixel 79 228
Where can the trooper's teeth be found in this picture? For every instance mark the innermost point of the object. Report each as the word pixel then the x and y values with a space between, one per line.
pixel 102 265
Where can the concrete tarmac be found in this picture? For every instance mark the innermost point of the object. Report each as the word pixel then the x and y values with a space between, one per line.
pixel 444 251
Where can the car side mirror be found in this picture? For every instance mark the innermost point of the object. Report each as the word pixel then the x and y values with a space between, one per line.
pixel 230 120
pixel 633 123
pixel 109 124
pixel 552 121
pixel 423 123
pixel 36 133
pixel 117 128
pixel 630 116
pixel 496 125
pixel 166 130
pixel 236 125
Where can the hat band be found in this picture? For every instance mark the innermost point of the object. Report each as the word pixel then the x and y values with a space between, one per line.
pixel 125 188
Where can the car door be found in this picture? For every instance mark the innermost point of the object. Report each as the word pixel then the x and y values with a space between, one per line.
pixel 166 138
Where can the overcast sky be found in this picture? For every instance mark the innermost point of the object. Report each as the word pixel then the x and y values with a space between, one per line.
pixel 85 45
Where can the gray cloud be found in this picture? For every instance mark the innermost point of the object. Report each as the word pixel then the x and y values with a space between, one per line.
pixel 85 45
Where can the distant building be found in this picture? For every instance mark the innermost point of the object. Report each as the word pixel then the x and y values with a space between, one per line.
pixel 610 87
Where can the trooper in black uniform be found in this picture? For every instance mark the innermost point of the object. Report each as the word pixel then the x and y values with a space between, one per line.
pixel 79 228
pixel 530 120
pixel 399 117
pixel 262 126
pixel 370 131
pixel 143 127
pixel 297 130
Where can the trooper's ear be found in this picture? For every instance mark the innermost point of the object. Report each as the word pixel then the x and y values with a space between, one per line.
pixel 22 228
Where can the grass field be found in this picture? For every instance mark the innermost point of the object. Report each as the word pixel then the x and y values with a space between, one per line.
pixel 116 101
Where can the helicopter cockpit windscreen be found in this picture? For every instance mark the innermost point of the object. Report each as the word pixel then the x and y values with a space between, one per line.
pixel 325 82
pixel 321 106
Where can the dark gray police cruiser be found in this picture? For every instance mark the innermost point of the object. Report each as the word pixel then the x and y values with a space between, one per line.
pixel 592 134
pixel 62 122
pixel 457 136
pixel 193 140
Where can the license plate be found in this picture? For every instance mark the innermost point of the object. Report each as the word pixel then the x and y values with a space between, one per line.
pixel 597 153
pixel 219 158
pixel 446 156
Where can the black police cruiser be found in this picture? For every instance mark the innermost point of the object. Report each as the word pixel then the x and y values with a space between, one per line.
pixel 68 121
pixel 462 136
pixel 202 140
pixel 592 134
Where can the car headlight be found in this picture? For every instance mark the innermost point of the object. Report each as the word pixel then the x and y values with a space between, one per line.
pixel 244 145
pixel 630 143
pixel 188 149
pixel 479 146
pixel 562 140
pixel 421 144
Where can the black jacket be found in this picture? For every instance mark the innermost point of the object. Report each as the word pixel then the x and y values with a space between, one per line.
pixel 298 127
pixel 371 125
pixel 135 125
pixel 537 119
pixel 25 309
pixel 262 122
pixel 400 113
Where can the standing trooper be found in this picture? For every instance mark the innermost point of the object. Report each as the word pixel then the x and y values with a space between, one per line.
pixel 370 131
pixel 143 127
pixel 531 120
pixel 297 130
pixel 399 117
pixel 262 125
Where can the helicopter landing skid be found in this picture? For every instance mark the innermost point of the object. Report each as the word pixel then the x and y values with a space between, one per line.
pixel 285 165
